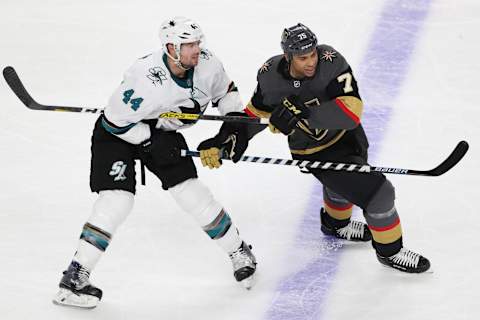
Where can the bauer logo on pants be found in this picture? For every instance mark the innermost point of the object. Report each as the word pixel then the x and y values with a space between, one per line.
pixel 118 171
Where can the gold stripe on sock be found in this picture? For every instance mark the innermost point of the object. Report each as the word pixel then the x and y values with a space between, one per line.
pixel 387 236
pixel 338 214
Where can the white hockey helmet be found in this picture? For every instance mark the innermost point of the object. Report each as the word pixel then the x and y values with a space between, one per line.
pixel 177 31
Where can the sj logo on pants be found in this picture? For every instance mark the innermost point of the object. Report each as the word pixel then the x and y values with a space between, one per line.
pixel 118 171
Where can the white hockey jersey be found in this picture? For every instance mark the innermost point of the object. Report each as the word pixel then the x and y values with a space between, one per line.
pixel 149 89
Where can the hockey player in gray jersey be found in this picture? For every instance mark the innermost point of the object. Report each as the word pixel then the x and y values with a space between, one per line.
pixel 183 77
pixel 309 93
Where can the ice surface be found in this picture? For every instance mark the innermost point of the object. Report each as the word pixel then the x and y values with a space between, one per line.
pixel 160 264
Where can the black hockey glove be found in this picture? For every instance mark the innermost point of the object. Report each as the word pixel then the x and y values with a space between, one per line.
pixel 163 148
pixel 285 116
pixel 231 141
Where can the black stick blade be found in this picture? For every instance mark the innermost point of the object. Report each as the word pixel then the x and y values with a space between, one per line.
pixel 457 154
pixel 12 79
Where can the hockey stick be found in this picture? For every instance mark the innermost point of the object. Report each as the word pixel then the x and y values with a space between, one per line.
pixel 454 157
pixel 193 116
pixel 457 154
pixel 18 88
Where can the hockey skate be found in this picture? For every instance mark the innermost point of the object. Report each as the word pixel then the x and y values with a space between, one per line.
pixel 244 265
pixel 76 290
pixel 354 231
pixel 406 261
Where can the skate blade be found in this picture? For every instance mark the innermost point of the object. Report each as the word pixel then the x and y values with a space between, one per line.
pixel 249 282
pixel 67 298
pixel 395 270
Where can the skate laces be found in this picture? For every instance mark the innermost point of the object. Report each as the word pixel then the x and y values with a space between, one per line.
pixel 406 258
pixel 355 229
pixel 78 275
pixel 241 258
pixel 83 276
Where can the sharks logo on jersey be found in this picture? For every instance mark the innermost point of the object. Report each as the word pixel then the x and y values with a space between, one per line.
pixel 157 75
pixel 195 108
pixel 205 54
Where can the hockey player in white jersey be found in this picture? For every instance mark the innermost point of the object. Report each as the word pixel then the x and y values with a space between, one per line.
pixel 182 77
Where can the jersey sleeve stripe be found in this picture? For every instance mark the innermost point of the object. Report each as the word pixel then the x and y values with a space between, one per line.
pixel 351 106
pixel 249 113
pixel 254 112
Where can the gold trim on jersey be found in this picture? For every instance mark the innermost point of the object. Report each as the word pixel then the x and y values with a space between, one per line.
pixel 316 134
pixel 312 103
pixel 353 104
pixel 320 147
pixel 257 112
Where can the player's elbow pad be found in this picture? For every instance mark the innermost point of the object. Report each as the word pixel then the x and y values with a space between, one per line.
pixel 231 102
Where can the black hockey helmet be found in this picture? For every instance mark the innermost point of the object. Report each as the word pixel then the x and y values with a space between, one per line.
pixel 298 39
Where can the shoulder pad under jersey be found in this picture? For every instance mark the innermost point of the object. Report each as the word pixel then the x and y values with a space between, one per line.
pixel 270 65
pixel 330 59
pixel 209 62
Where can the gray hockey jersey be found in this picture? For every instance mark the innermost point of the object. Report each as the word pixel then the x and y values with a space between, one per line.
pixel 331 95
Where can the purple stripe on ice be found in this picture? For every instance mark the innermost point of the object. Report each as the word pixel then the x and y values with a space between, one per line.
pixel 382 71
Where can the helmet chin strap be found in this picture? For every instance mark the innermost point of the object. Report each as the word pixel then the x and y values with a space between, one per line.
pixel 181 66
pixel 177 60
